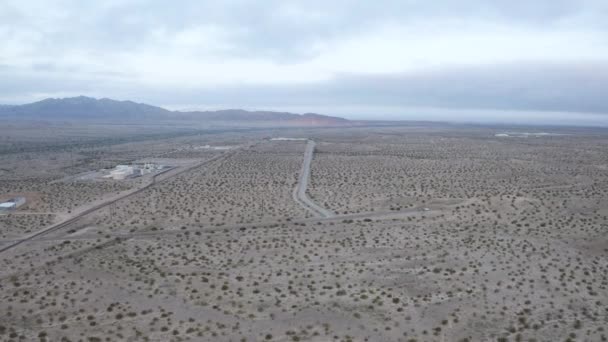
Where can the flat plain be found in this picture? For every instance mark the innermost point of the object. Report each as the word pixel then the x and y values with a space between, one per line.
pixel 436 233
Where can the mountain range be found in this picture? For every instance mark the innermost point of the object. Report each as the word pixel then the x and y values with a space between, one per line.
pixel 82 107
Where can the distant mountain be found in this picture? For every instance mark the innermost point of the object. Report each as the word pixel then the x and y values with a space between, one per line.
pixel 82 107
pixel 308 119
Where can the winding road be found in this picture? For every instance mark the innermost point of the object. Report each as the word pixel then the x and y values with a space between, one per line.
pixel 299 192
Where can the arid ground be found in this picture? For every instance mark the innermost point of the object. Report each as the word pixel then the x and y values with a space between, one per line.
pixel 418 232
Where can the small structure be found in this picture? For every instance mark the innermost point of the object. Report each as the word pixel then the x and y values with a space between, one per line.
pixel 7 206
pixel 12 203
pixel 121 172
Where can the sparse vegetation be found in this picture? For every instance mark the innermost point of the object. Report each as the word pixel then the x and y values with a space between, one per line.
pixel 512 248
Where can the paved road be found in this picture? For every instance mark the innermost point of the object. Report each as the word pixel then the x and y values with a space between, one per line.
pixel 299 193
pixel 73 219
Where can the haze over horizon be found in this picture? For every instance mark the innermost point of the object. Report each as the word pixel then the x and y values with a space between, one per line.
pixel 500 61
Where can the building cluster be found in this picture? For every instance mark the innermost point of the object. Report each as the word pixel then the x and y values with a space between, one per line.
pixel 121 172
pixel 12 204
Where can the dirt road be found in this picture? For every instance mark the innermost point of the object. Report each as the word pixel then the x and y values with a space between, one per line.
pixel 299 193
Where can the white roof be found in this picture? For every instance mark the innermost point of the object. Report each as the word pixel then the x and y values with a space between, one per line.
pixel 122 172
pixel 7 205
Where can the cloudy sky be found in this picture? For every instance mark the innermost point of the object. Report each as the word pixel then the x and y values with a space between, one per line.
pixel 477 60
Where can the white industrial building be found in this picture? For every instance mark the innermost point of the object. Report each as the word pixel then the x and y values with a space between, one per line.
pixel 12 203
pixel 7 206
pixel 121 172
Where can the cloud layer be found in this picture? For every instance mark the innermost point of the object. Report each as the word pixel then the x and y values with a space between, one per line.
pixel 340 56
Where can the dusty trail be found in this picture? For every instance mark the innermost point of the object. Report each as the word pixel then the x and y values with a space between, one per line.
pixel 299 193
pixel 382 215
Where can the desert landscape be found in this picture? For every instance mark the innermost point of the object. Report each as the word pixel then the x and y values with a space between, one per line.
pixel 303 171
pixel 362 232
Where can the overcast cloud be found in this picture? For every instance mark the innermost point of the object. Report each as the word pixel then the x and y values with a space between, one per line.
pixel 545 60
